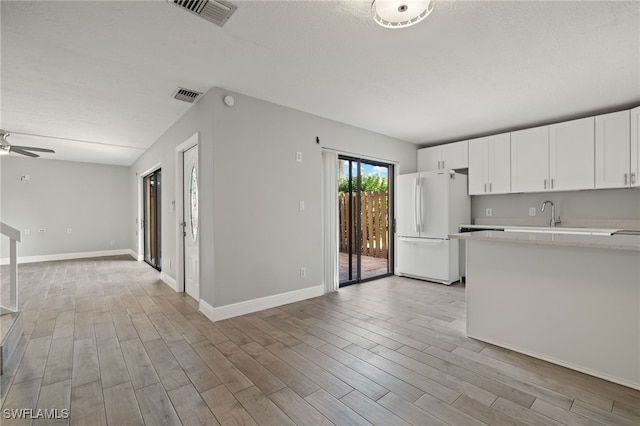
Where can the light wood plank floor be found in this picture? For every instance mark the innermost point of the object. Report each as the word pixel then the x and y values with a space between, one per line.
pixel 108 341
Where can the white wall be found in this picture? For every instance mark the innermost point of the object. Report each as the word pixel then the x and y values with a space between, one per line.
pixel 91 199
pixel 603 207
pixel 253 237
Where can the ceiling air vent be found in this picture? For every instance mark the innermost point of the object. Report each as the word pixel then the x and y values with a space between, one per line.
pixel 216 11
pixel 186 95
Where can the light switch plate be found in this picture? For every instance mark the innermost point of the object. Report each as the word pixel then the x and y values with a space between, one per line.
pixel 299 157
pixel 488 212
pixel 532 211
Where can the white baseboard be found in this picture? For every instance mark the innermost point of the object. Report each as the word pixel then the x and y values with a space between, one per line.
pixel 254 305
pixel 67 256
pixel 171 282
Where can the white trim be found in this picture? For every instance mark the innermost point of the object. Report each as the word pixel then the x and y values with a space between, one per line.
pixel 179 210
pixel 67 256
pixel 255 305
pixel 169 281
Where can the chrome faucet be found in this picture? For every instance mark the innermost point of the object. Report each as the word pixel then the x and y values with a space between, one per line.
pixel 553 222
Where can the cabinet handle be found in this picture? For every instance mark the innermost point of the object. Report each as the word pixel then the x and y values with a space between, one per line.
pixel 438 165
pixel 545 184
pixel 485 187
pixel 490 190
pixel 443 164
pixel 625 179
pixel 633 178
pixel 551 183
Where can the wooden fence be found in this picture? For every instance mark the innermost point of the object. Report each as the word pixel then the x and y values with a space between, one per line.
pixel 375 236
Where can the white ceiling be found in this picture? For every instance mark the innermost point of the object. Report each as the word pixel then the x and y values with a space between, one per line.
pixel 93 79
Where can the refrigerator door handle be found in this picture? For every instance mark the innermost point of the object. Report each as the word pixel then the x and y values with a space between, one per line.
pixel 415 202
pixel 421 215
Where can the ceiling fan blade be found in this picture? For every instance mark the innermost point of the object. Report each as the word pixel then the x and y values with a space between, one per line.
pixel 31 148
pixel 23 152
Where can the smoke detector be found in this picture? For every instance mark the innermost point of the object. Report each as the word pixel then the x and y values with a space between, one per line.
pixel 186 95
pixel 216 11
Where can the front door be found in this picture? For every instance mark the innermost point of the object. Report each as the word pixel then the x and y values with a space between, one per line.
pixel 190 225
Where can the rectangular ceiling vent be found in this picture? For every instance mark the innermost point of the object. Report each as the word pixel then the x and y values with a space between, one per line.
pixel 186 95
pixel 216 11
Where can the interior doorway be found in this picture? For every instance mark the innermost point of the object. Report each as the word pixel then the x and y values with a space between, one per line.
pixel 152 218
pixel 365 207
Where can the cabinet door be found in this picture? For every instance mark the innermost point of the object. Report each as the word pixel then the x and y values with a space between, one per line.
pixel 613 148
pixel 429 159
pixel 499 168
pixel 478 166
pixel 455 155
pixel 530 160
pixel 635 147
pixel 571 155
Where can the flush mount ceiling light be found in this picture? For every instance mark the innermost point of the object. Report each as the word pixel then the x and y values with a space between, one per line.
pixel 400 13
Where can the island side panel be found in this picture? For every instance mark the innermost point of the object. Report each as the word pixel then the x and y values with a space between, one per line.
pixel 574 306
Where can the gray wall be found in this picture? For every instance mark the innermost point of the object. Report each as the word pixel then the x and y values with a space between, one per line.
pixel 91 199
pixel 604 207
pixel 253 237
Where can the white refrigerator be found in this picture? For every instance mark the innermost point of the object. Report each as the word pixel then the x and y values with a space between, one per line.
pixel 431 205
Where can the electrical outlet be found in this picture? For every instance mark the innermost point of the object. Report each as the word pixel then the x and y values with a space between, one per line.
pixel 303 272
pixel 532 211
pixel 299 157
pixel 301 205
pixel 488 212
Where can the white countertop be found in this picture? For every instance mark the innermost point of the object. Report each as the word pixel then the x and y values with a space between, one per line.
pixel 615 242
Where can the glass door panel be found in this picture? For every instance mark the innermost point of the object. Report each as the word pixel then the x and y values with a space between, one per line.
pixel 364 203
pixel 151 228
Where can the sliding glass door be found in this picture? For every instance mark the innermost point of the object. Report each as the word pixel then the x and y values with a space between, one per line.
pixel 365 213
pixel 151 184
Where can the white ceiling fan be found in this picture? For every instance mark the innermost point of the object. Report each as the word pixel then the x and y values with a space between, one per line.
pixel 6 147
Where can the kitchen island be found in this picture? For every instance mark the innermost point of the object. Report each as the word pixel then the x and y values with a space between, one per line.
pixel 573 300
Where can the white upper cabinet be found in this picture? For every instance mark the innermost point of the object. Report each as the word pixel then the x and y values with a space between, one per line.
pixel 443 157
pixel 530 160
pixel 635 147
pixel 429 159
pixel 490 165
pixel 572 155
pixel 455 155
pixel 613 147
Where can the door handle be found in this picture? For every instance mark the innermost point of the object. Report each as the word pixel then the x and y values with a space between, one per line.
pixel 415 203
